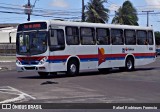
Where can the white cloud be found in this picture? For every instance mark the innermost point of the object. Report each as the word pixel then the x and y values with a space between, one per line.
pixel 153 4
pixel 113 7
pixel 60 4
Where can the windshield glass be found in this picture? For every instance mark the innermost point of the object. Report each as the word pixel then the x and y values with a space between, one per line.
pixel 31 43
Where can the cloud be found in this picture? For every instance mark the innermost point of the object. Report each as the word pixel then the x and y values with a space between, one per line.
pixel 60 4
pixel 153 4
pixel 114 7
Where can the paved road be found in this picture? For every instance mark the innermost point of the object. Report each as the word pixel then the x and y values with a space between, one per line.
pixel 139 86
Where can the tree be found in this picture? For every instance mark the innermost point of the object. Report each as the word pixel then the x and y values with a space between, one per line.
pixel 96 12
pixel 157 37
pixel 126 15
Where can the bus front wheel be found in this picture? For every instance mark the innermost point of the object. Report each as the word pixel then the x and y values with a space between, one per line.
pixel 43 74
pixel 72 68
pixel 129 64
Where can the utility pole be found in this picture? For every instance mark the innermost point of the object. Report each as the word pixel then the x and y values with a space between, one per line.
pixel 29 5
pixel 83 8
pixel 28 9
pixel 148 16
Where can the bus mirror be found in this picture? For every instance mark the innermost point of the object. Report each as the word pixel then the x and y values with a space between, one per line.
pixel 57 47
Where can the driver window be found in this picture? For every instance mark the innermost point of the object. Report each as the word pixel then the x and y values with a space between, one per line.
pixel 53 38
pixel 57 37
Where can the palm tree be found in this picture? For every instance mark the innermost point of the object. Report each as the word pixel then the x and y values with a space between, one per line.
pixel 96 12
pixel 126 15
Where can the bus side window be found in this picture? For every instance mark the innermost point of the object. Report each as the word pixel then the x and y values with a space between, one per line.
pixel 102 36
pixel 117 36
pixel 72 35
pixel 57 39
pixel 60 36
pixel 53 38
pixel 150 38
pixel 130 37
pixel 142 37
pixel 87 36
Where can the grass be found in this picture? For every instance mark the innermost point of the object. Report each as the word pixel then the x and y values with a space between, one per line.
pixel 7 58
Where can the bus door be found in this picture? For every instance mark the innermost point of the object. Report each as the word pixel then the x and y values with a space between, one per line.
pixel 56 49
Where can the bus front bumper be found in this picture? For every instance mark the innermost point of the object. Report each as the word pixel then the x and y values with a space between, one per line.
pixel 42 68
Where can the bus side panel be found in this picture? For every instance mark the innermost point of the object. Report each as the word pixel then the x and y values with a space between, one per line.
pixel 118 56
pixel 145 54
pixel 104 61
pixel 57 60
pixel 88 56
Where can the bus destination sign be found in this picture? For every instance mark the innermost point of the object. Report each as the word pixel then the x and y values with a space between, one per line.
pixel 32 26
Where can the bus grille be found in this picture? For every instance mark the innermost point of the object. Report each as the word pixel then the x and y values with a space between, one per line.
pixel 30 68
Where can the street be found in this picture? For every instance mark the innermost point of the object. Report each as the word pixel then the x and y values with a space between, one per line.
pixel 139 86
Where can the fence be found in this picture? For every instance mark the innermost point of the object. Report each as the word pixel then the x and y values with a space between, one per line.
pixel 7 49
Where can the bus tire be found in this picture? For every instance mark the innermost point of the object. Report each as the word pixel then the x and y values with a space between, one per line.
pixel 43 74
pixel 72 68
pixel 129 65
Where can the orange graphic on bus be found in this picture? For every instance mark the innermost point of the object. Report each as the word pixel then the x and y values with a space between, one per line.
pixel 101 56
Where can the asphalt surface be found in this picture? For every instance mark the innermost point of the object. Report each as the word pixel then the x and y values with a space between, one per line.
pixel 6 66
pixel 139 86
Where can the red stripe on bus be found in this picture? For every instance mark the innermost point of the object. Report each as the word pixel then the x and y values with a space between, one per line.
pixel 84 56
pixel 88 56
pixel 144 54
pixel 30 58
pixel 115 55
pixel 58 57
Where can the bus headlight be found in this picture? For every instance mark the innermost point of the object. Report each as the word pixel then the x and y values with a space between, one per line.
pixel 18 62
pixel 42 61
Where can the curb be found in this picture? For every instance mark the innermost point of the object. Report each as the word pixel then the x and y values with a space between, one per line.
pixel 6 61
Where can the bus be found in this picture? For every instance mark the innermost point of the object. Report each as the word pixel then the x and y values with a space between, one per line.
pixel 54 46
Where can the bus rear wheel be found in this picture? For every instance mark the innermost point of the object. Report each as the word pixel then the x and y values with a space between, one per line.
pixel 129 64
pixel 72 68
pixel 43 74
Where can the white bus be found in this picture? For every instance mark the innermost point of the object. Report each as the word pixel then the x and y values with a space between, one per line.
pixel 61 46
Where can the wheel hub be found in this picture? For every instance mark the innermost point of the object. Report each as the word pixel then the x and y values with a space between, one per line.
pixel 129 64
pixel 73 68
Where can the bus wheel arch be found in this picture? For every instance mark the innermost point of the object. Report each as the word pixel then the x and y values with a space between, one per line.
pixel 130 63
pixel 73 65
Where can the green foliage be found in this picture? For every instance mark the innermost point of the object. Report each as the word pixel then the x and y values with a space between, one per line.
pixel 157 37
pixel 96 12
pixel 126 15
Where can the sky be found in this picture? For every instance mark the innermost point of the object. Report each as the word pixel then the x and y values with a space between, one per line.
pixel 71 10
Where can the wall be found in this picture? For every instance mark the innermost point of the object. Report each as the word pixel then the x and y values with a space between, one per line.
pixel 4 35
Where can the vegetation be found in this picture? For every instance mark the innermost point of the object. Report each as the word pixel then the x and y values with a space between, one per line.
pixel 126 15
pixel 157 37
pixel 96 12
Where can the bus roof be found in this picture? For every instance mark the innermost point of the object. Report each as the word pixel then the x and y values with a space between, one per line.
pixel 85 24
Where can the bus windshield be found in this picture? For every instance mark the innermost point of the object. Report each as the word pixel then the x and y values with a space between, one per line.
pixel 31 43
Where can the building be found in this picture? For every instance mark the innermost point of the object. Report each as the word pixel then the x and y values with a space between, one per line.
pixel 8 35
pixel 8 39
